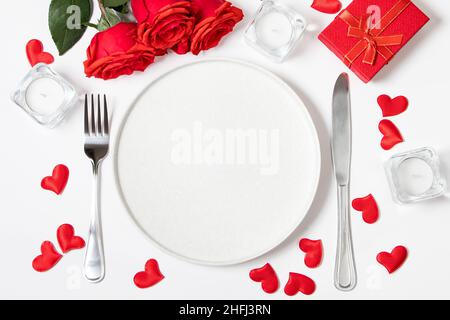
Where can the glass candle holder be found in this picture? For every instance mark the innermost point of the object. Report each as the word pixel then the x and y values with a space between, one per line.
pixel 275 30
pixel 45 95
pixel 415 176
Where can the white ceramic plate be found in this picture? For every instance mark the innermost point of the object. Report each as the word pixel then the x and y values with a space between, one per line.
pixel 218 161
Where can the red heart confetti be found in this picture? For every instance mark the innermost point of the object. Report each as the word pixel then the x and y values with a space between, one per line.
pixel 48 259
pixel 36 54
pixel 392 261
pixel 391 134
pixel 392 107
pixel 58 180
pixel 151 276
pixel 67 239
pixel 267 276
pixel 327 6
pixel 368 206
pixel 313 250
pixel 299 283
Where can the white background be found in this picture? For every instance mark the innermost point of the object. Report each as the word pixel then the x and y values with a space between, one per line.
pixel 29 152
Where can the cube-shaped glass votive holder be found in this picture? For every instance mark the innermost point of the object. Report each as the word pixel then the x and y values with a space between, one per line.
pixel 45 95
pixel 415 176
pixel 275 30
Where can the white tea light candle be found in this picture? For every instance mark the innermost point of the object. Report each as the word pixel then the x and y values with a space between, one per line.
pixel 415 176
pixel 44 95
pixel 274 29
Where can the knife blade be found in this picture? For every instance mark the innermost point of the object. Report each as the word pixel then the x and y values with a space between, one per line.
pixel 341 149
pixel 342 131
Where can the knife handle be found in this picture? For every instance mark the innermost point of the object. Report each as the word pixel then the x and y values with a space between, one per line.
pixel 345 272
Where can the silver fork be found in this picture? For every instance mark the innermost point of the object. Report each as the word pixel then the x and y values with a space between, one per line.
pixel 96 146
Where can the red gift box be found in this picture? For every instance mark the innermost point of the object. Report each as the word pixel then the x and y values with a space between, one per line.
pixel 368 34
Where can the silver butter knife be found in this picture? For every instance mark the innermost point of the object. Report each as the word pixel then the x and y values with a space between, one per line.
pixel 341 147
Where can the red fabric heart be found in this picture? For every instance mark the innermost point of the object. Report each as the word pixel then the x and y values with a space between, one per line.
pixel 267 276
pixel 391 134
pixel 48 259
pixel 36 54
pixel 327 6
pixel 299 282
pixel 313 250
pixel 368 206
pixel 57 181
pixel 392 107
pixel 151 276
pixel 67 239
pixel 392 261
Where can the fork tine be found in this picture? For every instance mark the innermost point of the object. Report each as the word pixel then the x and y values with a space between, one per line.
pixel 99 117
pixel 106 118
pixel 86 116
pixel 92 115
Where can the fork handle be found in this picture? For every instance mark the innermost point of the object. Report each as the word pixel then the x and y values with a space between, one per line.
pixel 94 262
pixel 345 272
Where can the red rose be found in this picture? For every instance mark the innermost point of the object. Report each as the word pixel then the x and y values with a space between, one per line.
pixel 164 24
pixel 115 52
pixel 216 19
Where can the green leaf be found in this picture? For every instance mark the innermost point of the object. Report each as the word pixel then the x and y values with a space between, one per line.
pixel 67 21
pixel 114 3
pixel 110 19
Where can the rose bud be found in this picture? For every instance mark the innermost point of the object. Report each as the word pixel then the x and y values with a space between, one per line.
pixel 164 24
pixel 115 52
pixel 216 18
